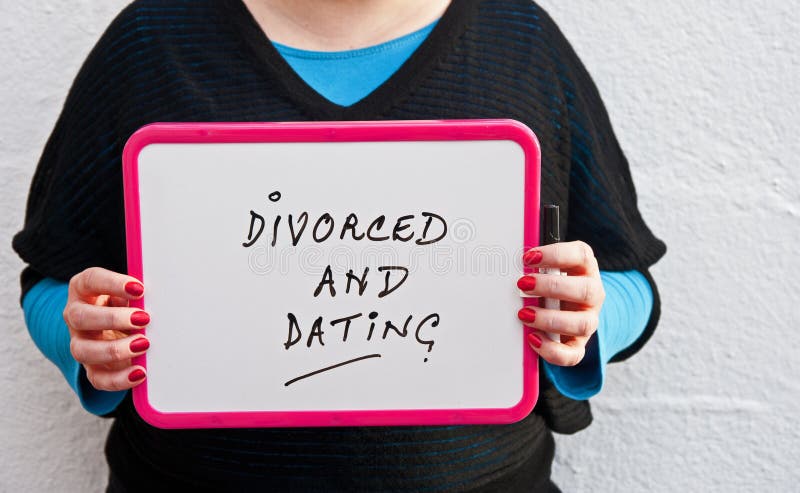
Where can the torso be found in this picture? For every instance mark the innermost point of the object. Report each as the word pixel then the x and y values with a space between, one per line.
pixel 211 61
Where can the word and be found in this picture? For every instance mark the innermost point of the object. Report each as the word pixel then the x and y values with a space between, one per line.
pixel 361 282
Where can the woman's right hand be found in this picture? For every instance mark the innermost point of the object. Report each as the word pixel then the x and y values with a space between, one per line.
pixel 100 324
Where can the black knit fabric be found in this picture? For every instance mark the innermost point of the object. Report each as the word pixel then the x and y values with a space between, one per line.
pixel 205 60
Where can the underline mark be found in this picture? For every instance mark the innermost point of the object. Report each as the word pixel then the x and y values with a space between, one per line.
pixel 337 365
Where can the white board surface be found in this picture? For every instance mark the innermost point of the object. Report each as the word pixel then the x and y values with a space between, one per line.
pixel 222 297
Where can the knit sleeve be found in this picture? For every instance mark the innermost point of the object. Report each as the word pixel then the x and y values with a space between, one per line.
pixel 602 207
pixel 74 217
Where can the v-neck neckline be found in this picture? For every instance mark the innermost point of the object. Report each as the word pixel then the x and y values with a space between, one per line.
pixel 440 41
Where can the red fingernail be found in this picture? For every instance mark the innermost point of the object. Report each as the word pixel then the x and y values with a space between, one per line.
pixel 136 375
pixel 527 315
pixel 134 288
pixel 534 340
pixel 140 318
pixel 526 283
pixel 139 345
pixel 532 257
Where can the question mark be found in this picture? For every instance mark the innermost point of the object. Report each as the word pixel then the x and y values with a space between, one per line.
pixel 435 323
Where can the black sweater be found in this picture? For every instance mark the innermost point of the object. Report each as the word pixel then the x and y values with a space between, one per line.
pixel 172 60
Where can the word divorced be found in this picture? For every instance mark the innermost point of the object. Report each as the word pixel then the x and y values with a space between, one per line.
pixel 428 229
pixel 424 229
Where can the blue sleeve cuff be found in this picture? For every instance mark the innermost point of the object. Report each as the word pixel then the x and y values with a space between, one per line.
pixel 43 306
pixel 623 318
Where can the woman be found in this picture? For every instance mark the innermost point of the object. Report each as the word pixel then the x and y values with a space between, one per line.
pixel 283 60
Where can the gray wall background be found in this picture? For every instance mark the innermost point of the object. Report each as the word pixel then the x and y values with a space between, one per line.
pixel 704 98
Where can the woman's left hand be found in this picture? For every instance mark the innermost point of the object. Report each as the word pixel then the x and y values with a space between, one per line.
pixel 580 291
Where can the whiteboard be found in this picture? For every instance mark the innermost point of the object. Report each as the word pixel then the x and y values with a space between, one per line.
pixel 339 273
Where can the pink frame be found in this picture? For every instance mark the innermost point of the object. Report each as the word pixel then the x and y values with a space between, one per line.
pixel 438 130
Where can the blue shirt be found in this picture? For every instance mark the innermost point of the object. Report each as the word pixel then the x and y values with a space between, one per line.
pixel 345 77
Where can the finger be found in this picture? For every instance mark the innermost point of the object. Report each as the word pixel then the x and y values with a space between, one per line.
pixel 573 256
pixel 85 316
pixel 96 281
pixel 117 365
pixel 584 290
pixel 574 307
pixel 112 380
pixel 103 352
pixel 117 301
pixel 568 353
pixel 579 324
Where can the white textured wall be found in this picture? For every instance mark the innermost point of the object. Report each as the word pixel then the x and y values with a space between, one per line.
pixel 704 96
